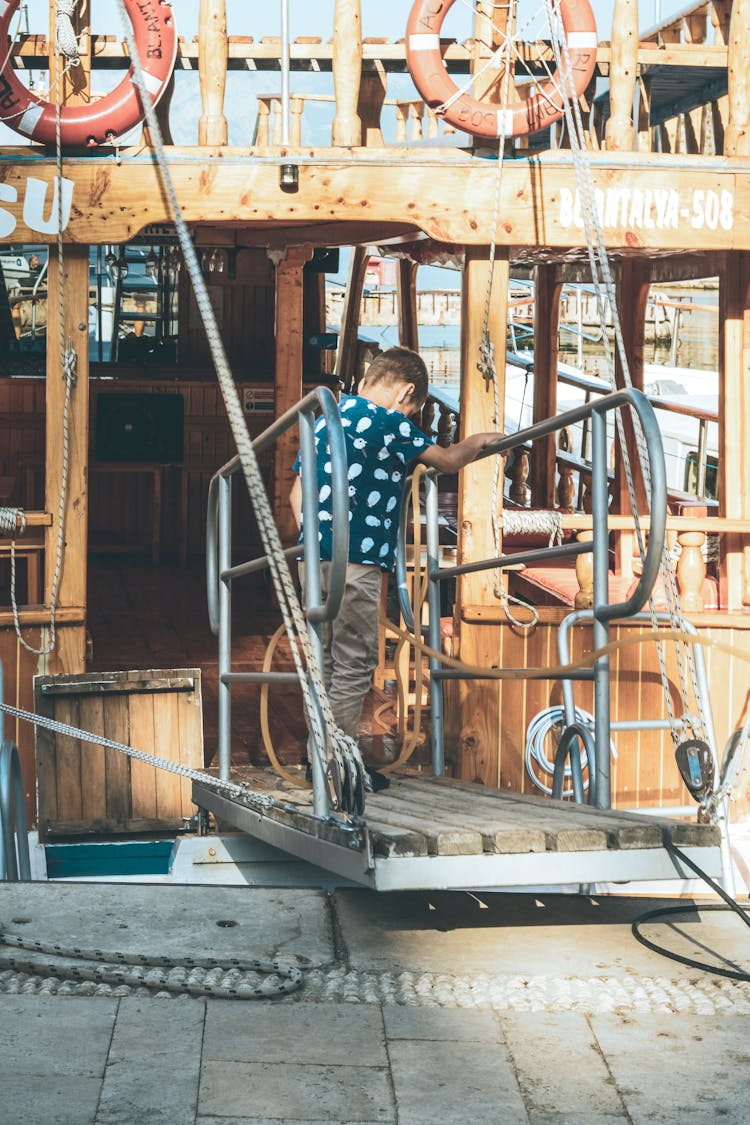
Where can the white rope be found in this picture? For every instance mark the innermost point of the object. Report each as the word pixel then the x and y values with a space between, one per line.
pixel 552 721
pixel 339 748
pixel 66 42
pixel 534 523
pixel 597 250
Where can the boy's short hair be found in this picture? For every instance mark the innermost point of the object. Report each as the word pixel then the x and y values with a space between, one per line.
pixel 400 365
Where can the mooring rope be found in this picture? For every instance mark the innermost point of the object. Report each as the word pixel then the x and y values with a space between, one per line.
pixel 228 978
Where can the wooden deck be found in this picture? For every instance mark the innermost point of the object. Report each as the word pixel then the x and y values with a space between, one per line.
pixel 428 833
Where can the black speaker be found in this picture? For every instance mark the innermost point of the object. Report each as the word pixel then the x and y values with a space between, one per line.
pixel 139 427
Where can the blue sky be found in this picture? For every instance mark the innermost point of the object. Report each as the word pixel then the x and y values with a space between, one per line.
pixel 315 17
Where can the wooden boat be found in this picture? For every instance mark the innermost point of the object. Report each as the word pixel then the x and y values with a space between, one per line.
pixel 264 212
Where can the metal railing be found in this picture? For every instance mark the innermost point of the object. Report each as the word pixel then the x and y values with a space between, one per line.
pixel 221 572
pixel 15 861
pixel 602 613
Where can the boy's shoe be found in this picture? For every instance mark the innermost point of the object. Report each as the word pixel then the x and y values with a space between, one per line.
pixel 379 781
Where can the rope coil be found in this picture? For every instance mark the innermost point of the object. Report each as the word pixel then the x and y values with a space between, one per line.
pixel 66 42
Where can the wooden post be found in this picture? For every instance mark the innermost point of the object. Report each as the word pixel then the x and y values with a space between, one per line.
pixel 69 655
pixel 691 570
pixel 70 651
pixel 737 137
pixel 623 68
pixel 734 416
pixel 212 71
pixel 288 374
pixel 408 330
pixel 346 355
pixel 632 297
pixel 479 714
pixel 547 289
pixel 347 72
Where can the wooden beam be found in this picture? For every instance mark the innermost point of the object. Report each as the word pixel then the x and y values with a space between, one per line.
pixel 346 356
pixel 408 329
pixel 737 137
pixel 347 71
pixel 734 421
pixel 74 331
pixel 632 295
pixel 648 204
pixel 479 703
pixel 288 376
pixel 212 71
pixel 547 289
pixel 624 62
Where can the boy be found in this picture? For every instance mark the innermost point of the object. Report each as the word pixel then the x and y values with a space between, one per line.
pixel 381 445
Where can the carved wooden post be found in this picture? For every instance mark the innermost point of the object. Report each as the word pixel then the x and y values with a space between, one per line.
pixel 369 107
pixel 296 105
pixel 623 66
pixel 519 490
pixel 691 570
pixel 263 131
pixel 547 289
pixel 347 72
pixel 212 71
pixel 737 136
pixel 584 599
pixel 446 426
pixel 566 489
pixel 402 109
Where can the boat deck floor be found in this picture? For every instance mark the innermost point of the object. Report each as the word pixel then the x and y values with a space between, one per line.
pixel 437 833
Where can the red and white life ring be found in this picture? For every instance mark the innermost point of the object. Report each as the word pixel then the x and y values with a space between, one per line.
pixel 99 122
pixel 483 119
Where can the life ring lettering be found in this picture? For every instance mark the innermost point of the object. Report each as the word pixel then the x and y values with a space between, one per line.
pixel 102 121
pixel 482 119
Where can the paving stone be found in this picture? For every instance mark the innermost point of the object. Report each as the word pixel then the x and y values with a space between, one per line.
pixel 55 1099
pixel 679 1070
pixel 352 1094
pixel 153 1068
pixel 327 1034
pixel 42 1035
pixel 188 919
pixel 562 1075
pixel 454 1082
pixel 452 1024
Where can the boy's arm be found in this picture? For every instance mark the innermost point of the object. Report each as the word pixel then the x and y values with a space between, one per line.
pixel 453 457
pixel 295 501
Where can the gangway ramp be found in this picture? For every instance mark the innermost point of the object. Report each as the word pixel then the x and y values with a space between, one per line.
pixel 429 833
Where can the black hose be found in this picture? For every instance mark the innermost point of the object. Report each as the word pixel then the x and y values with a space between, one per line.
pixel 666 912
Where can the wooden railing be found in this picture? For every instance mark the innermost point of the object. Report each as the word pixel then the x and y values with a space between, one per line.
pixel 710 33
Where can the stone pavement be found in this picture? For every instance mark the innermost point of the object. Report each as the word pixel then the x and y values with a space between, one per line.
pixel 416 1009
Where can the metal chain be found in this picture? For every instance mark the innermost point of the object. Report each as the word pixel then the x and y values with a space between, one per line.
pixel 591 220
pixel 338 746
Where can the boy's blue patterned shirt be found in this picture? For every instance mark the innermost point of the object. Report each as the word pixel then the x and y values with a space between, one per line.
pixel 380 446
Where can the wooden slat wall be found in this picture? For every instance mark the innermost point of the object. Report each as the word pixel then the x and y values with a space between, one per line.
pixel 19 667
pixel 644 773
pixel 85 788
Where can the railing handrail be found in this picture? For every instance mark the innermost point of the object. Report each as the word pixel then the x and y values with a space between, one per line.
pixel 322 398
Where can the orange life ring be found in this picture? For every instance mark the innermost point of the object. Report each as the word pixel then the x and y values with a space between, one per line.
pixel 483 119
pixel 99 122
